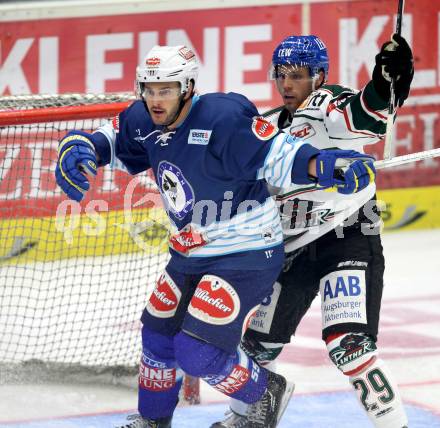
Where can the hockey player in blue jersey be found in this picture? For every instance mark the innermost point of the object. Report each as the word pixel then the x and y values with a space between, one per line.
pixel 212 156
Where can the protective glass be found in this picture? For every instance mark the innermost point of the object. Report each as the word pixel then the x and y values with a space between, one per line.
pixel 162 93
pixel 295 72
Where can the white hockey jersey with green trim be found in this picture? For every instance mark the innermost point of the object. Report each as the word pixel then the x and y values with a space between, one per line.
pixel 331 117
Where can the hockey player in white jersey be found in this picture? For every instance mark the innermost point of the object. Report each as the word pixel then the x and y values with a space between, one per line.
pixel 212 157
pixel 344 264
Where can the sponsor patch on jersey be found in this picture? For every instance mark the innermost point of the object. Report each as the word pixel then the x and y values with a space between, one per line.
pixel 187 239
pixel 234 382
pixel 199 136
pixel 149 360
pixel 349 263
pixel 248 319
pixel 165 298
pixel 156 379
pixel 115 123
pixel 215 301
pixel 269 235
pixel 186 53
pixel 262 320
pixel 303 131
pixel 177 193
pixel 343 298
pixel 263 129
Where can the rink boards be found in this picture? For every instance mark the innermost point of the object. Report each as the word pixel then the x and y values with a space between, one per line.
pixel 118 232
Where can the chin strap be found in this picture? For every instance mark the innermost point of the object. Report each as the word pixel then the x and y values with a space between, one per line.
pixel 179 110
pixel 315 79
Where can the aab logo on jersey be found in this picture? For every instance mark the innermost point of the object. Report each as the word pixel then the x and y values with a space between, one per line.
pixel 176 191
pixel 343 297
pixel 344 286
pixel 263 129
pixel 215 301
pixel 302 131
pixel 165 298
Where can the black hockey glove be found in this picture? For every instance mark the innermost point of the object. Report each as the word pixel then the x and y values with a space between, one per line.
pixel 395 60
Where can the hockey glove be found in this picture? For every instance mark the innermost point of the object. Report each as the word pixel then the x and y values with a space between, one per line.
pixel 347 170
pixel 394 61
pixel 76 158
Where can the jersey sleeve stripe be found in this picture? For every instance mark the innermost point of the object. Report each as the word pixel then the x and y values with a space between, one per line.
pixel 208 251
pixel 278 164
pixel 263 212
pixel 108 131
pixel 373 113
pixel 242 232
pixel 348 116
pixel 286 178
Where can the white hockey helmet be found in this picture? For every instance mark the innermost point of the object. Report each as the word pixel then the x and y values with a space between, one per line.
pixel 167 64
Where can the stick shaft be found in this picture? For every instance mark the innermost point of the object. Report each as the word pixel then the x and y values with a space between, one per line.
pixel 412 157
pixel 399 17
pixel 391 106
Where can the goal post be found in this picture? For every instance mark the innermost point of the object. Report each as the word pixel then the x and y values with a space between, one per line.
pixel 74 276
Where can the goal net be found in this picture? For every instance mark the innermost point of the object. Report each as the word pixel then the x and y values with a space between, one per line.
pixel 74 276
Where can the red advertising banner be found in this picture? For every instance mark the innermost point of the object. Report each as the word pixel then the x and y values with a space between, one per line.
pixel 99 54
pixel 354 32
pixel 28 187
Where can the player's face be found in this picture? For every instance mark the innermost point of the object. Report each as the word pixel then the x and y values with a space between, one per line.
pixel 163 100
pixel 294 85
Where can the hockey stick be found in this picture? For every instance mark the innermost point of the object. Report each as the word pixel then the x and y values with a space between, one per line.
pixel 342 164
pixel 412 157
pixel 391 108
pixel 19 247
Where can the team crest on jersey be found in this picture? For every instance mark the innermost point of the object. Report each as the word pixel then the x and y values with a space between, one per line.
pixel 165 298
pixel 176 191
pixel 302 131
pixel 352 347
pixel 263 129
pixel 215 301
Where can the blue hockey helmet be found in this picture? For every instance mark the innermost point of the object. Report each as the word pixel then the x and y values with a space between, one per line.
pixel 302 51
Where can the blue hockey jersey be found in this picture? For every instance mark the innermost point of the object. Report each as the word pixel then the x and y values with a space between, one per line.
pixel 211 172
